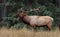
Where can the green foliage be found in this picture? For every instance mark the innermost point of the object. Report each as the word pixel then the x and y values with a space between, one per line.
pixel 46 8
pixel 19 26
pixel 47 13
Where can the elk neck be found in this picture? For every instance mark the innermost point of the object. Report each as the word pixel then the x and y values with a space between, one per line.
pixel 25 19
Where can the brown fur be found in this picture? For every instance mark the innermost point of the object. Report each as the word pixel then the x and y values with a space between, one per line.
pixel 36 20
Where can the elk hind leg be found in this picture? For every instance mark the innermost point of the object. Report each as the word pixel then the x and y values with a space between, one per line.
pixel 49 25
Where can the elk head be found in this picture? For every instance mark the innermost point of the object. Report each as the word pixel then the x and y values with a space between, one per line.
pixel 22 14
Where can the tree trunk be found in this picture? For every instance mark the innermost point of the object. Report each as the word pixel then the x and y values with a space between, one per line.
pixel 0 14
pixel 58 4
pixel 35 1
pixel 4 13
pixel 30 2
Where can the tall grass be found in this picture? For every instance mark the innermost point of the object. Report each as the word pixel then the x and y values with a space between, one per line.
pixel 28 33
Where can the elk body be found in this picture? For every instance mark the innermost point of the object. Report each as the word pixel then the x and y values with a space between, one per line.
pixel 36 20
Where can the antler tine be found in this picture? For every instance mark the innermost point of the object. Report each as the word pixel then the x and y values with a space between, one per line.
pixel 35 9
pixel 21 9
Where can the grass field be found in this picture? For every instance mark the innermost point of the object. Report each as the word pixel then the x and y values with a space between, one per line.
pixel 28 33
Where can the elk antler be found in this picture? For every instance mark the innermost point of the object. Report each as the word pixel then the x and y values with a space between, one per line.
pixel 35 9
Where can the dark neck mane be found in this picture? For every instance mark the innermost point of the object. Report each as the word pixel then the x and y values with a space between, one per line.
pixel 24 20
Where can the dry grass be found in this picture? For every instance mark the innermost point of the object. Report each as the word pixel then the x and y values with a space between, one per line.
pixel 26 33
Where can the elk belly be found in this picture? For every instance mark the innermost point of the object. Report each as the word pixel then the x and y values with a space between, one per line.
pixel 33 22
pixel 42 21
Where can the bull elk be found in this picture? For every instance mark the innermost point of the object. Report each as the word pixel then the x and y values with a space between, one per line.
pixel 36 20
